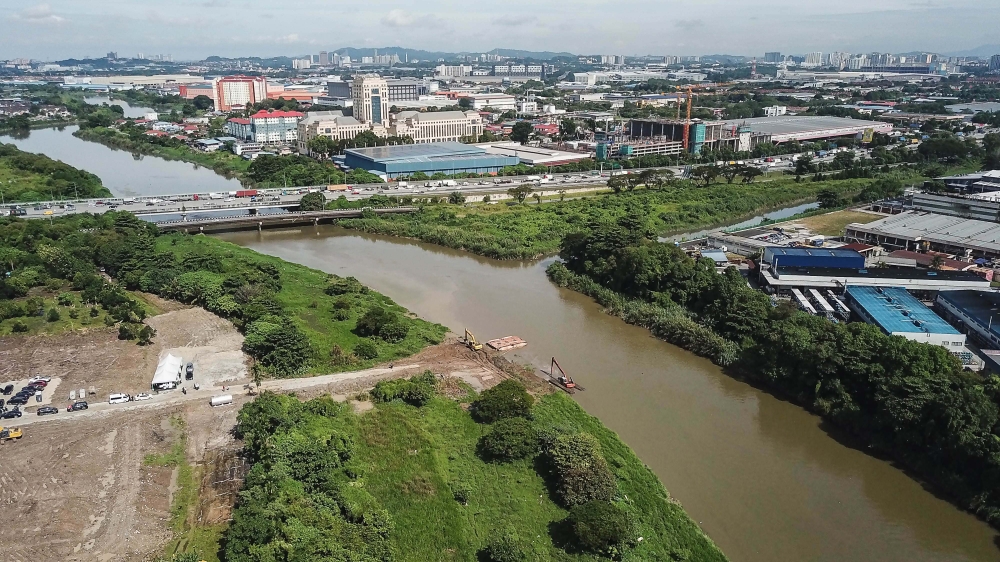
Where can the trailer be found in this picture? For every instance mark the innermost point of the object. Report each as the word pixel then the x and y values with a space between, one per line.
pixel 246 192
pixel 221 400
pixel 803 301
pixel 818 299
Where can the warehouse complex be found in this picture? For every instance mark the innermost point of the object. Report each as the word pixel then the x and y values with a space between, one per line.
pixel 406 159
pixel 920 230
pixel 896 312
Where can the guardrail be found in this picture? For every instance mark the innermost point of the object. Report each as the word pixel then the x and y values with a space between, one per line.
pixel 259 221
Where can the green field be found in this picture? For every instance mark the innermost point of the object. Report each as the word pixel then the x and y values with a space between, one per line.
pixel 303 299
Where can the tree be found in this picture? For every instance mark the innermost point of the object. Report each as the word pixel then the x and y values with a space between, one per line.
pixel 321 145
pixel 706 174
pixel 373 321
pixel 521 132
pixel 538 197
pixel 749 173
pixel 312 202
pixel 52 315
pixel 521 192
pixel 602 528
pixel 567 128
pixel 202 102
pixel 618 183
pixel 828 199
pixel 509 399
pixel 937 261
pixel 582 472
pixel 465 103
pixel 456 197
pixel 730 172
pixel 510 439
pixel 654 178
pixel 804 165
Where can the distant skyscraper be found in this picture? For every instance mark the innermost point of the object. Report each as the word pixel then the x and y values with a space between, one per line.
pixel 814 59
pixel 370 94
pixel 238 91
pixel 324 58
pixel 995 62
pixel 773 56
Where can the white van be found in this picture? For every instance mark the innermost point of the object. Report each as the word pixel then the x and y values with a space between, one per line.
pixel 118 398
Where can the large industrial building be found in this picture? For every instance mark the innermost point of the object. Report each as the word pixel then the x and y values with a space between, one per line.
pixel 447 157
pixel 533 155
pixel 975 311
pixel 743 135
pixel 920 230
pixel 898 313
pixel 436 126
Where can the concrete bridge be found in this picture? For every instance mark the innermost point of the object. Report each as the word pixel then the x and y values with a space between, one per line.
pixel 284 220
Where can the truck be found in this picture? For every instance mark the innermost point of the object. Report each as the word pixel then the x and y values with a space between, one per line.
pixel 533 178
pixel 337 187
pixel 449 183
pixel 246 192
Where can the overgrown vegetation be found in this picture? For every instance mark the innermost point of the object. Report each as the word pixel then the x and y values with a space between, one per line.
pixel 26 177
pixel 406 482
pixel 284 310
pixel 905 399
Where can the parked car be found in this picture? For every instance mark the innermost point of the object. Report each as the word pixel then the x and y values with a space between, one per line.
pixel 8 389
pixel 118 398
pixel 76 407
pixel 189 371
pixel 1 405
pixel 43 379
pixel 17 401
pixel 46 410
pixel 11 414
pixel 142 396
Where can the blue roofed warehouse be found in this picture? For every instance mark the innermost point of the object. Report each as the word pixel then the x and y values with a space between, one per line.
pixel 898 313
pixel 430 158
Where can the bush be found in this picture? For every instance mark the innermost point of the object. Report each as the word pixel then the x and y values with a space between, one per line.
pixel 505 547
pixel 508 399
pixel 18 327
pixel 372 322
pixel 340 357
pixel 340 314
pixel 345 286
pixel 581 472
pixel 461 491
pixel 510 439
pixel 366 349
pixel 65 299
pixel 94 312
pixel 394 332
pixel 146 335
pixel 52 315
pixel 416 391
pixel 602 528
pixel 74 313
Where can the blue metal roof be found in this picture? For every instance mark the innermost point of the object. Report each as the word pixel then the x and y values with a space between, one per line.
pixel 895 310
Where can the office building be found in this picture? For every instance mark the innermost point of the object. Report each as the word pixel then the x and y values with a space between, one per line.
pixel 994 63
pixel 369 93
pixel 403 160
pixel 772 57
pixel 456 71
pixel 898 313
pixel 437 126
pixel 301 64
pixel 331 124
pixel 814 59
pixel 498 102
pixel 397 89
pixel 275 127
pixel 237 92
pixel 518 70
pixel 324 58
pixel 775 111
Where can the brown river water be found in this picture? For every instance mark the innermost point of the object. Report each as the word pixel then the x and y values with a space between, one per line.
pixel 764 478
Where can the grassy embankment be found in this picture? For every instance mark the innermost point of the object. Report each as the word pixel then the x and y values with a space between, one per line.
pixel 221 161
pixel 27 177
pixel 430 523
pixel 32 315
pixel 530 231
pixel 303 299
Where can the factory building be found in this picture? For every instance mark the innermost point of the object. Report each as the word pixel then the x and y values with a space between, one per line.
pixel 898 313
pixel 919 230
pixel 806 128
pixel 978 206
pixel 975 312
pixel 446 157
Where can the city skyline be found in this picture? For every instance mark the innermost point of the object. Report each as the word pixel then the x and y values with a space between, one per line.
pixel 62 29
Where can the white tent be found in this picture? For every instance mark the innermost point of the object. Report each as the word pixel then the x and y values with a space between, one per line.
pixel 168 371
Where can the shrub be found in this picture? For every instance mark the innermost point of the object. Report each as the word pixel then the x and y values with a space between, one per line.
pixel 94 312
pixel 372 322
pixel 340 314
pixel 394 332
pixel 279 345
pixel 128 331
pixel 461 491
pixel 146 335
pixel 74 313
pixel 505 546
pixel 508 399
pixel 19 327
pixel 416 391
pixel 65 299
pixel 510 439
pixel 582 473
pixel 345 286
pixel 340 357
pixel 603 528
pixel 52 315
pixel 366 349
pixel 312 202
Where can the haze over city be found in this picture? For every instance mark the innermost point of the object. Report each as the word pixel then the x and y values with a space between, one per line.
pixel 60 29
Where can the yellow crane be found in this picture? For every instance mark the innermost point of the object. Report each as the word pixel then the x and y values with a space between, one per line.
pixel 470 341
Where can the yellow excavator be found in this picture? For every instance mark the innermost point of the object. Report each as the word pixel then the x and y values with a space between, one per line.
pixel 9 433
pixel 470 341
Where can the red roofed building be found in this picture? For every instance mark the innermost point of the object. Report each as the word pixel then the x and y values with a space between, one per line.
pixel 548 129
pixel 266 127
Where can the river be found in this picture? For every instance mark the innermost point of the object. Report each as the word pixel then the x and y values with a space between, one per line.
pixel 760 475
pixel 124 173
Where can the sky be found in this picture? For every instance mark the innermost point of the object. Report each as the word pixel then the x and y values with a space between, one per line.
pixel 194 29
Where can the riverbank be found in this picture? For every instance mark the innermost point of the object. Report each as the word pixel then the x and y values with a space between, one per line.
pixel 27 177
pixel 897 397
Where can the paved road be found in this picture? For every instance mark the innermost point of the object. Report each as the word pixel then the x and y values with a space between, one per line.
pixel 175 397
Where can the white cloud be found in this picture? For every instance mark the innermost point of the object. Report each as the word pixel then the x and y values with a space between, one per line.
pixel 402 18
pixel 41 13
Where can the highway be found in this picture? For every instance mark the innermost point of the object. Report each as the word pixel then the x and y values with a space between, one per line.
pixel 177 207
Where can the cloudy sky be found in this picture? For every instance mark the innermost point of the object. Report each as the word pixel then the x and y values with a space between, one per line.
pixel 193 29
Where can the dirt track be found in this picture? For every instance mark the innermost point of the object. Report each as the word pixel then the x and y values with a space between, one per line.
pixel 76 487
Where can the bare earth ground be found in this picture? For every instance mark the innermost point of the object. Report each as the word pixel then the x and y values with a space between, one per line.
pixel 75 487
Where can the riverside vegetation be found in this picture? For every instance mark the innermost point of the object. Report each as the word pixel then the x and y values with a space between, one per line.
pixel 421 478
pixel 296 320
pixel 910 401
pixel 26 177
